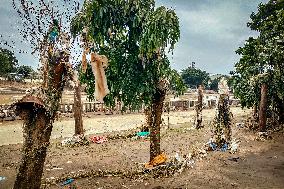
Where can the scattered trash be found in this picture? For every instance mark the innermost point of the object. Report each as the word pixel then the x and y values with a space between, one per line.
pixel 143 134
pixel 2 178
pixel 158 160
pixel 98 139
pixel 55 168
pixel 67 182
pixel 177 157
pixel 261 136
pixel 224 148
pixel 234 146
pixel 75 140
pixel 212 145
pixel 234 159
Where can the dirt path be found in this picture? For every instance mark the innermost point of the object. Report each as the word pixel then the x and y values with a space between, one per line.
pixel 11 132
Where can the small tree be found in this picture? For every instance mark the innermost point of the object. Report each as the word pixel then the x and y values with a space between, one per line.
pixel 193 77
pixel 8 62
pixel 133 35
pixel 26 71
pixel 261 63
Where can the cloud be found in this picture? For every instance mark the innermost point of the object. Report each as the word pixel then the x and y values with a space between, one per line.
pixel 211 31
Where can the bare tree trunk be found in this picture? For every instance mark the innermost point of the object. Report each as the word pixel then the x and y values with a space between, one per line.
pixel 38 112
pixel 78 110
pixel 222 121
pixel 198 108
pixel 263 107
pixel 38 130
pixel 156 114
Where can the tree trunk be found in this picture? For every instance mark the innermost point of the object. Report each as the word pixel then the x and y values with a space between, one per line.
pixel 148 119
pixel 38 112
pixel 37 129
pixel 156 114
pixel 198 123
pixel 263 107
pixel 222 121
pixel 78 110
pixel 255 112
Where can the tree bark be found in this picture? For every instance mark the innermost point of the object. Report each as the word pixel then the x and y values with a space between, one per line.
pixel 198 108
pixel 255 112
pixel 263 107
pixel 222 121
pixel 148 119
pixel 38 116
pixel 78 110
pixel 37 129
pixel 156 114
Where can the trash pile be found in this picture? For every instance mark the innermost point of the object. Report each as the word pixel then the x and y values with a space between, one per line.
pixel 223 146
pixel 76 140
pixel 98 139
pixel 262 136
pixel 163 166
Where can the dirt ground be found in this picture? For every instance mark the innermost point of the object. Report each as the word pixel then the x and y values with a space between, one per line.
pixel 256 164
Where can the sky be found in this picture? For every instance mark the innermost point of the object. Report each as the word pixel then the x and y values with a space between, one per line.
pixel 211 32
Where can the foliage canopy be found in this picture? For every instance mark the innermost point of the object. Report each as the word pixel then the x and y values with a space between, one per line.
pixel 134 36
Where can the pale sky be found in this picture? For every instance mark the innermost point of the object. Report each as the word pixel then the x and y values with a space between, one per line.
pixel 211 31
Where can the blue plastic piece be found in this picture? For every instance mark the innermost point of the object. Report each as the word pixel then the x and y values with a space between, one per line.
pixel 213 146
pixel 224 148
pixel 53 36
pixel 143 134
pixel 68 181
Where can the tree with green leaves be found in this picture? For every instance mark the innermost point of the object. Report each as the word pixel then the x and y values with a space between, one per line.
pixel 193 77
pixel 8 62
pixel 133 35
pixel 258 79
pixel 26 71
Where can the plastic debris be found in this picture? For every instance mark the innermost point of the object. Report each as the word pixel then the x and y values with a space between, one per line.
pixel 212 145
pixel 177 157
pixel 261 136
pixel 143 134
pixel 77 139
pixel 67 182
pixel 2 178
pixel 234 146
pixel 98 139
pixel 224 148
pixel 158 160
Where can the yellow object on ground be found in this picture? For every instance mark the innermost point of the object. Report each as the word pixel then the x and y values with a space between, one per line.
pixel 158 160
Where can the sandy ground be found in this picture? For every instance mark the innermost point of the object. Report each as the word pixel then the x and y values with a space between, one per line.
pixel 260 164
